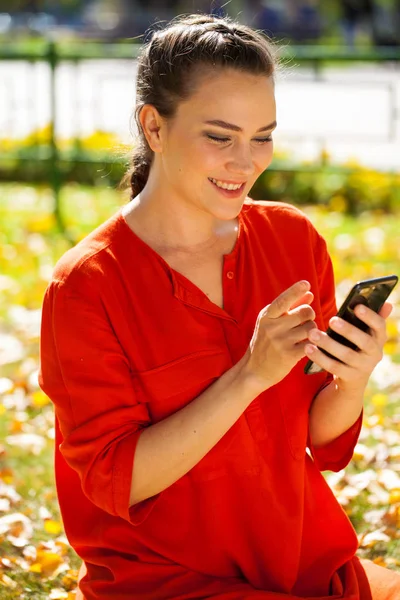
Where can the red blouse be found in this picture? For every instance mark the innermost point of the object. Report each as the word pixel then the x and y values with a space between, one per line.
pixel 127 341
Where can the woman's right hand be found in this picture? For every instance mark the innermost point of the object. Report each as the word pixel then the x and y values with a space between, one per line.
pixel 279 338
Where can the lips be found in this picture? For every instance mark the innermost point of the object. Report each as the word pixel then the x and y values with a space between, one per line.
pixel 241 183
pixel 228 193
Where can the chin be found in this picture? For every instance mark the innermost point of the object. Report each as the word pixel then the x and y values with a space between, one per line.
pixel 228 211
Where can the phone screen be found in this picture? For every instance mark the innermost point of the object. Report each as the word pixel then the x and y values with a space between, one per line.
pixel 370 292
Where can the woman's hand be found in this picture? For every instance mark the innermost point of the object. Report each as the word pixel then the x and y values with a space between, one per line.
pixel 354 374
pixel 279 338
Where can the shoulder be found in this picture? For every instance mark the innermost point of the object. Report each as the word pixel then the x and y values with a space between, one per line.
pixel 281 215
pixel 88 260
pixel 285 222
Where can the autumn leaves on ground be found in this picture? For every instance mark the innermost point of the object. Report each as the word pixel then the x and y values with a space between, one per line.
pixel 36 560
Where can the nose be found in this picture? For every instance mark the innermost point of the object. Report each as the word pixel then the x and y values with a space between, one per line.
pixel 241 162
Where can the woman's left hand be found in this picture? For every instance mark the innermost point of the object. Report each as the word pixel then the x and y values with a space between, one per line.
pixel 354 374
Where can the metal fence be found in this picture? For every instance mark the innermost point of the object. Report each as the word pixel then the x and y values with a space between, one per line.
pixel 56 163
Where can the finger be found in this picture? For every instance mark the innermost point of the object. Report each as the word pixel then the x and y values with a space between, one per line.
pixel 306 299
pixel 300 349
pixel 299 315
pixel 326 362
pixel 366 342
pixel 374 321
pixel 338 350
pixel 284 301
pixel 386 310
pixel 300 333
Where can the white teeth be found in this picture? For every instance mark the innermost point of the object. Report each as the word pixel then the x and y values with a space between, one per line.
pixel 226 186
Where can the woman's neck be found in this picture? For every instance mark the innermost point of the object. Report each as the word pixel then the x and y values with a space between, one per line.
pixel 181 231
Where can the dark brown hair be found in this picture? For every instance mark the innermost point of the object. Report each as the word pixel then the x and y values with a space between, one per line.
pixel 170 63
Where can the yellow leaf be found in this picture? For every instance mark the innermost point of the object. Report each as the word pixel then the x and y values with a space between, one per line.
pixel 70 579
pixel 63 548
pixel 6 475
pixel 379 400
pixel 2 409
pixel 391 329
pixel 35 568
pixel 40 399
pixel 338 203
pixel 52 526
pixel 16 427
pixel 41 223
pixel 394 496
pixel 49 561
pixel 390 347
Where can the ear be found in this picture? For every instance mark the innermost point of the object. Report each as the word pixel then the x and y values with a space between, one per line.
pixel 151 123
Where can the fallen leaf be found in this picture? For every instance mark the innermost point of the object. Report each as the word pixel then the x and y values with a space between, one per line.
pixel 371 539
pixel 6 475
pixel 394 496
pixel 40 399
pixel 379 560
pixel 389 479
pixel 31 442
pixel 16 524
pixel 7 581
pixel 46 563
pixel 58 593
pixel 51 526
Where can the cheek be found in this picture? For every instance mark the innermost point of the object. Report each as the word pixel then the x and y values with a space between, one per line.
pixel 264 157
pixel 207 158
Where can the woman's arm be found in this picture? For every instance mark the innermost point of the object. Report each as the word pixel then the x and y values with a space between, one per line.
pixel 338 406
pixel 168 449
pixel 332 413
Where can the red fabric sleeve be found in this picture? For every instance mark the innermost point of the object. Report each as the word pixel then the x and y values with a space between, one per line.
pixel 86 374
pixel 337 454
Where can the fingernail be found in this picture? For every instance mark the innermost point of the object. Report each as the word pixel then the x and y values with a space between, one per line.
pixel 309 349
pixel 361 310
pixel 337 322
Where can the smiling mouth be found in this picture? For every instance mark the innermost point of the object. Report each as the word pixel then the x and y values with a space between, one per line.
pixel 227 185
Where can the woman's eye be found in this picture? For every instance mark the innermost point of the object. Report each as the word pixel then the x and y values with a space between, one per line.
pixel 223 140
pixel 264 140
pixel 217 139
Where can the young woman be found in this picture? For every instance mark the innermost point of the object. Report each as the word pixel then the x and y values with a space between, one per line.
pixel 174 339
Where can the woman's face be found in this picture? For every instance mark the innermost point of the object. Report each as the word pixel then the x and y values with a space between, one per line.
pixel 193 151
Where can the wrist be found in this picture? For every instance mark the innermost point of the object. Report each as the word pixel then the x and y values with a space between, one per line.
pixel 251 383
pixel 353 388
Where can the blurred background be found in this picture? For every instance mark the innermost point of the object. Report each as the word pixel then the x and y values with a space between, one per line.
pixel 376 21
pixel 67 92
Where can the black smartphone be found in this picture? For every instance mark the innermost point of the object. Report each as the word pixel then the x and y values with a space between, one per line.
pixel 370 292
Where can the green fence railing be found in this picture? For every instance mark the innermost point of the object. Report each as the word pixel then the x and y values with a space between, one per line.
pixel 55 164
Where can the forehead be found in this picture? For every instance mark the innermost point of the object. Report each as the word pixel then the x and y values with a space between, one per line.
pixel 211 81
pixel 229 91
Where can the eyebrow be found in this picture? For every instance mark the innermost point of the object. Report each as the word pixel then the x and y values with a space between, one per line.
pixel 226 125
